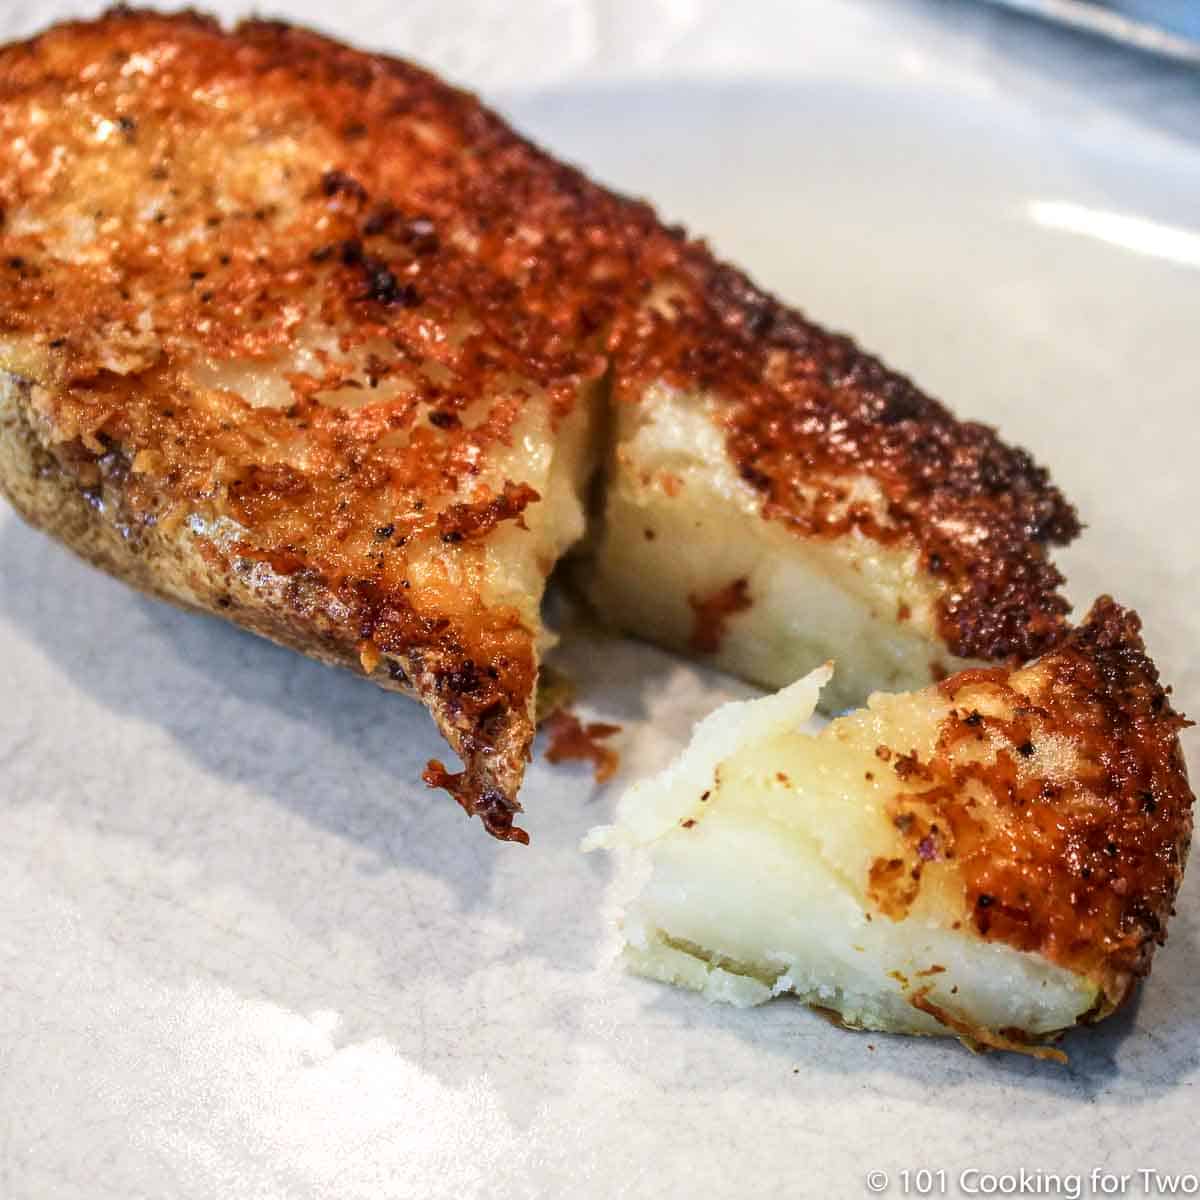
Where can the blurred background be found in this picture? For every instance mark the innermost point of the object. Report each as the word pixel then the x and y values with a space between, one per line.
pixel 1153 22
pixel 1144 52
pixel 1167 27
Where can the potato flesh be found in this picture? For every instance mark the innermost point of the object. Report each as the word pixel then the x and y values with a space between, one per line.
pixel 678 513
pixel 558 463
pixel 760 888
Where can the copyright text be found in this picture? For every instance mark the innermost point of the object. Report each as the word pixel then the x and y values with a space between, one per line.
pixel 1069 1185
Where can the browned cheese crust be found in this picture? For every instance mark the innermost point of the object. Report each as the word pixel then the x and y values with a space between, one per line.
pixel 252 190
pixel 1059 797
pixel 227 230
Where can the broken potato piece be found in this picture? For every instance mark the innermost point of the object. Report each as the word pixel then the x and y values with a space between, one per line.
pixel 993 857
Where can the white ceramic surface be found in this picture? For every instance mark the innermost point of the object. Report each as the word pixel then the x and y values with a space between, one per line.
pixel 245 953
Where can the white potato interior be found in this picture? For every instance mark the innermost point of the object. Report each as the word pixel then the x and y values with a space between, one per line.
pixel 758 842
pixel 680 525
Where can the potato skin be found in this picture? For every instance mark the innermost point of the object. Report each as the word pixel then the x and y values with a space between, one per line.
pixel 168 566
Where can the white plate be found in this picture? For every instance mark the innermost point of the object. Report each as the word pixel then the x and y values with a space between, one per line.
pixel 244 952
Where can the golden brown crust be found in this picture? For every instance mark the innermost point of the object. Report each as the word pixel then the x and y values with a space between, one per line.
pixel 175 204
pixel 809 415
pixel 418 173
pixel 1058 796
pixel 181 202
pixel 571 739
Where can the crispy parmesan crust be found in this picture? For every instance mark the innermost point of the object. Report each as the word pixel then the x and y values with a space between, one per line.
pixel 809 416
pixel 179 199
pixel 421 185
pixel 571 739
pixel 1059 798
